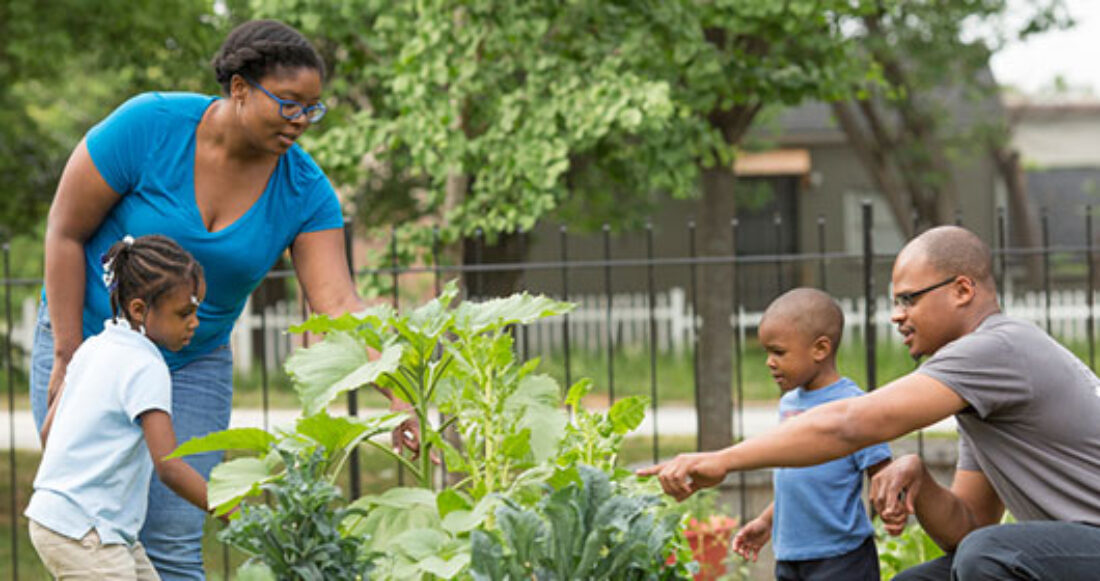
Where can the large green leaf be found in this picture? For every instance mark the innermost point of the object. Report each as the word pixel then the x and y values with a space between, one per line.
pixel 254 571
pixel 444 568
pixel 341 433
pixel 233 480
pixel 335 365
pixel 449 500
pixel 520 308
pixel 517 445
pixel 627 414
pixel 578 391
pixel 535 401
pixel 250 439
pixel 391 513
pixel 420 543
pixel 461 521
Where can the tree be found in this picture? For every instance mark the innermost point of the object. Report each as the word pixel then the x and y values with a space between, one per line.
pixel 491 113
pixel 63 68
pixel 909 133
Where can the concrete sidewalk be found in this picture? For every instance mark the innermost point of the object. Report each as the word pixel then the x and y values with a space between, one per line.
pixel 670 421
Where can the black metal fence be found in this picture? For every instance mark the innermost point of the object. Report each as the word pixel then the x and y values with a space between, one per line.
pixel 859 275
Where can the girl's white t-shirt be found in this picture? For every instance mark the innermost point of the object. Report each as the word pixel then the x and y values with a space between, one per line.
pixel 96 468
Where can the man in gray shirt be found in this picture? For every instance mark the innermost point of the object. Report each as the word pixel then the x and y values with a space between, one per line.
pixel 1029 422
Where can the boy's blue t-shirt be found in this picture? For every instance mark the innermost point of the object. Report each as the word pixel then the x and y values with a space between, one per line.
pixel 145 150
pixel 818 509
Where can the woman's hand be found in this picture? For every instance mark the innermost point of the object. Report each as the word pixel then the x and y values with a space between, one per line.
pixel 57 378
pixel 407 434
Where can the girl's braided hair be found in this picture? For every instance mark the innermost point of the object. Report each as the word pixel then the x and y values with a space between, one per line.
pixel 145 268
pixel 258 47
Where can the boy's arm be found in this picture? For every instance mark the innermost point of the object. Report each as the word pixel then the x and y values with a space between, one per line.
pixel 768 515
pixel 824 433
pixel 175 473
pixel 754 535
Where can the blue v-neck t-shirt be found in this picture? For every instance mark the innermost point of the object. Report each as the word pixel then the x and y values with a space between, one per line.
pixel 145 150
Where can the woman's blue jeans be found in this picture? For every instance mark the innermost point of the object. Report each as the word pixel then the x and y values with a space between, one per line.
pixel 202 396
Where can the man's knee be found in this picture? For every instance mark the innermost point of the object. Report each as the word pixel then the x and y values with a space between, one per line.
pixel 984 554
pixel 935 570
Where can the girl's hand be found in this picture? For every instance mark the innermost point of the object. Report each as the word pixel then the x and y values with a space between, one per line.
pixel 228 516
pixel 751 538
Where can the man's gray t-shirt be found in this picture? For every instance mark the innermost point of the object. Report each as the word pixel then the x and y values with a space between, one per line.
pixel 1033 423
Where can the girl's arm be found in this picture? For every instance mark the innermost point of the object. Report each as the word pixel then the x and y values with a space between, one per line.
pixel 175 473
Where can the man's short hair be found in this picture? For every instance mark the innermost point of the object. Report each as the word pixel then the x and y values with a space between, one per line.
pixel 953 251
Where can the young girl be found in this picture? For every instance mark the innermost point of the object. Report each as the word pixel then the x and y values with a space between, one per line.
pixel 111 426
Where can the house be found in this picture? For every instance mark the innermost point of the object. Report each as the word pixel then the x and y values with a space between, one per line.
pixel 1057 140
pixel 815 186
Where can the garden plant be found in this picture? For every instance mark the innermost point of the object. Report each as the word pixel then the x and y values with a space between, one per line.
pixel 530 488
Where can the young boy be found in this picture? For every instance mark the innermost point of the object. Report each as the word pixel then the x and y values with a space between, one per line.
pixel 820 526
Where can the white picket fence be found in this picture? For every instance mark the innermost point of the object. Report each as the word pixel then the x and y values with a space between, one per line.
pixel 629 320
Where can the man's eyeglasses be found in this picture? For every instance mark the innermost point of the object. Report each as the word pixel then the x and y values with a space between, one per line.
pixel 906 300
pixel 291 110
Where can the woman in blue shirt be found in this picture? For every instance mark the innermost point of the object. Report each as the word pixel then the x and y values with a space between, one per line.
pixel 224 177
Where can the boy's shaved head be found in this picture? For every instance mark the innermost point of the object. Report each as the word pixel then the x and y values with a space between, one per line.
pixel 954 251
pixel 813 313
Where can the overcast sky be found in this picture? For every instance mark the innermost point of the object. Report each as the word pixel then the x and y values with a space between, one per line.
pixel 1074 54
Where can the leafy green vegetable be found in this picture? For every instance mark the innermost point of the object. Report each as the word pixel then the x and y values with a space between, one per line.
pixel 594 529
pixel 299 536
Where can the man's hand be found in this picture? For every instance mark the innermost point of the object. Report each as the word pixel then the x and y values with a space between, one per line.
pixel 751 538
pixel 894 492
pixel 686 473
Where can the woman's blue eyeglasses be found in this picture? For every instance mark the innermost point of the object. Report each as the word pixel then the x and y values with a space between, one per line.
pixel 291 110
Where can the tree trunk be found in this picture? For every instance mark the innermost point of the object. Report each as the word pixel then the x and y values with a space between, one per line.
pixel 714 400
pixel 507 249
pixel 874 160
pixel 916 150
pixel 1021 215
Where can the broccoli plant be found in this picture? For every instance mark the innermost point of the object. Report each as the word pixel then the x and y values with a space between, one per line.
pixel 591 529
pixel 299 535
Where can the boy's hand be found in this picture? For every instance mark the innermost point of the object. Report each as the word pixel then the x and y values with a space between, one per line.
pixel 686 473
pixel 751 538
pixel 894 492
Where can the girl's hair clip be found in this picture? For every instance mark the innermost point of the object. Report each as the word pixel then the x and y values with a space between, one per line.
pixel 109 278
pixel 128 240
